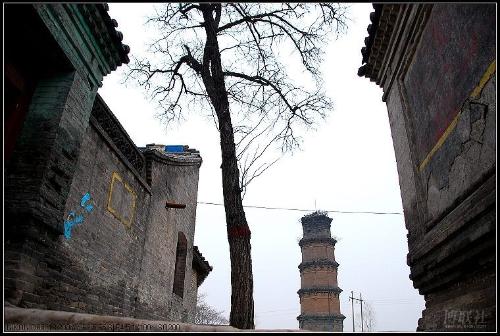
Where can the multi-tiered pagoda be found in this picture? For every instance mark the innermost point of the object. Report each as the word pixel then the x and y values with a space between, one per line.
pixel 319 292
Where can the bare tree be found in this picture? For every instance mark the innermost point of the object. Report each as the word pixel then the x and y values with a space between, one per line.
pixel 226 58
pixel 368 318
pixel 205 314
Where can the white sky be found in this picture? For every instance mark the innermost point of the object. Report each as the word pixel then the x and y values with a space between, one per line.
pixel 347 164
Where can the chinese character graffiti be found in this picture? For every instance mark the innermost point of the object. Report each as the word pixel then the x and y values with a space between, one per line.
pixel 74 219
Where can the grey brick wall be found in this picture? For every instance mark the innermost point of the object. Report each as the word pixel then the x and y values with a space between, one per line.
pixel 109 266
pixel 108 251
pixel 84 231
pixel 174 181
pixel 439 84
pixel 37 180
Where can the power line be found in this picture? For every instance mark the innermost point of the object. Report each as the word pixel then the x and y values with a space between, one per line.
pixel 309 210
pixel 395 303
pixel 391 300
pixel 279 313
pixel 373 302
pixel 278 310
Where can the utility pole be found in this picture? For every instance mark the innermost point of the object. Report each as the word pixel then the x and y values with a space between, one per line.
pixel 361 301
pixel 352 309
pixel 352 298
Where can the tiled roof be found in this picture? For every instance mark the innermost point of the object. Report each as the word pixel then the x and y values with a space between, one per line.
pixel 371 29
pixel 380 29
pixel 201 265
pixel 103 28
pixel 114 129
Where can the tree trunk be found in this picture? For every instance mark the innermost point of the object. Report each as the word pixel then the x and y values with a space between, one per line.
pixel 238 232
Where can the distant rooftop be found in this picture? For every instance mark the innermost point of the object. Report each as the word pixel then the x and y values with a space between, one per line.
pixel 178 149
pixel 178 154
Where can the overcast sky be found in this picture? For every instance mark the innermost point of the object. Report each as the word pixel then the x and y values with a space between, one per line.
pixel 347 164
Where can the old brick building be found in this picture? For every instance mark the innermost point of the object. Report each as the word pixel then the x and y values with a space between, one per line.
pixel 437 67
pixel 93 224
pixel 319 292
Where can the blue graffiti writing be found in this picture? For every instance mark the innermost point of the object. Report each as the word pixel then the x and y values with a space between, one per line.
pixel 84 200
pixel 71 221
pixel 74 219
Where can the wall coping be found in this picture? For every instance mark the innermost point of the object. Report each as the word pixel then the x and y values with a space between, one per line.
pixel 95 124
pixel 39 320
pixel 174 159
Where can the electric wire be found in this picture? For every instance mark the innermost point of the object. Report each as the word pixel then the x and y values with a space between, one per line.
pixel 308 210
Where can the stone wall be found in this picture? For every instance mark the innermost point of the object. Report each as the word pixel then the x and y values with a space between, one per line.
pixel 39 175
pixel 322 323
pixel 436 65
pixel 45 158
pixel 174 179
pixel 108 245
pixel 115 248
pixel 86 224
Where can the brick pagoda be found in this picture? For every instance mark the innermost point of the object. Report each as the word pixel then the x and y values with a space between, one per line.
pixel 319 293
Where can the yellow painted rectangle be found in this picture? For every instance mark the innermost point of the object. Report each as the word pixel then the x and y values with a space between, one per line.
pixel 116 178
